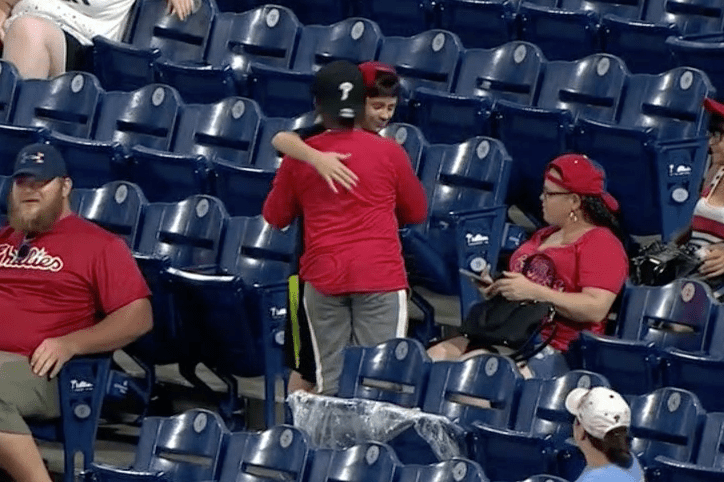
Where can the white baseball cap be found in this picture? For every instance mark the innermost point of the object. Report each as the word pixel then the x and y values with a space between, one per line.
pixel 598 409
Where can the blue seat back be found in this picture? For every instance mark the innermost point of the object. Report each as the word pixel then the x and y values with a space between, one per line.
pixel 354 39
pixel 511 71
pixel 690 17
pixel 480 24
pixel 591 87
pixel 268 34
pixel 6 185
pixel 711 446
pixel 452 470
pixel 544 478
pixel 703 53
pixel 323 12
pixel 153 27
pixel 403 17
pixel 394 371
pixel 9 79
pixel 681 314
pixel 360 463
pixel 428 59
pixel 410 138
pixel 665 422
pixel 670 103
pixel 542 409
pixel 281 452
pixel 146 116
pixel 67 103
pixel 117 206
pixel 189 446
pixel 186 233
pixel 632 10
pixel 227 130
pixel 483 388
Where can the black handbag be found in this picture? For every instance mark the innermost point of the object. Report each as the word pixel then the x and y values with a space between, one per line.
pixel 659 264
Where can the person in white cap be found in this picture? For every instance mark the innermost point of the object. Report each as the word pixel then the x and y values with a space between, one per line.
pixel 600 429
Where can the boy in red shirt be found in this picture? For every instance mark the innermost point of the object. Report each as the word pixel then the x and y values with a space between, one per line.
pixel 352 266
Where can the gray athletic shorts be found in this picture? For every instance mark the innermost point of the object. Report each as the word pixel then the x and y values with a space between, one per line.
pixel 365 319
pixel 24 395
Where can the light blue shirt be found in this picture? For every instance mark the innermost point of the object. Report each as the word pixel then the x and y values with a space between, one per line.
pixel 613 473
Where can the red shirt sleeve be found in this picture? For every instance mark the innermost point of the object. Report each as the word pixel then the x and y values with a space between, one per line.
pixel 117 277
pixel 281 205
pixel 602 261
pixel 411 202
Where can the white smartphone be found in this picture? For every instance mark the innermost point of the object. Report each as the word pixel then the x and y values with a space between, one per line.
pixel 479 278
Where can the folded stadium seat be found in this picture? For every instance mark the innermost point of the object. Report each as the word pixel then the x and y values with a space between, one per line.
pixel 681 314
pixel 188 446
pixel 226 130
pixel 117 207
pixel 236 315
pixel 146 116
pixel 401 17
pixel 704 52
pixel 708 465
pixel 267 35
pixel 591 87
pixel 642 43
pixel 152 33
pixel 286 92
pixel 655 154
pixel 360 463
pixel 511 71
pixel 428 59
pixel 9 79
pixel 456 469
pixel 480 23
pixel 394 371
pixel 462 181
pixel 410 138
pixel 324 12
pixel 281 452
pixel 541 426
pixel 570 30
pixel 67 104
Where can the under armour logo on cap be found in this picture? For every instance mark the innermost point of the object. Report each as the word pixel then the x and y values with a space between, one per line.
pixel 41 161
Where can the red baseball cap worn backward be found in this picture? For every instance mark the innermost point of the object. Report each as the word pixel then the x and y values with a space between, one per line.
pixel 581 176
pixel 370 69
pixel 714 107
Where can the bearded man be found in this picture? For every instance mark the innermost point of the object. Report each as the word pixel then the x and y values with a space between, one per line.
pixel 67 287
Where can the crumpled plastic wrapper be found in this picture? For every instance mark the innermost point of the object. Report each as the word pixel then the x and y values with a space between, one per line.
pixel 339 423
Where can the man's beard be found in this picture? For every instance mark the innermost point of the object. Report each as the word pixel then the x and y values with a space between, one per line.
pixel 39 221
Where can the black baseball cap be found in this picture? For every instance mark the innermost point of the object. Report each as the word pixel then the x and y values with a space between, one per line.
pixel 339 89
pixel 41 161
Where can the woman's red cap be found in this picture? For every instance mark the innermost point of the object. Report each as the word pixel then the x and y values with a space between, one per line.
pixel 581 176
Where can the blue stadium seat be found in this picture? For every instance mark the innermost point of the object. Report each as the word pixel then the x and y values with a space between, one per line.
pixel 323 12
pixel 394 371
pixel 709 463
pixel 237 315
pixel 642 43
pixel 591 87
pixel 681 314
pixel 481 389
pixel 402 17
pixel 117 207
pixel 511 71
pixel 455 469
pixel 541 426
pixel 189 446
pixel 152 33
pixel 360 463
pixel 226 130
pixel 704 52
pixel 267 35
pixel 146 117
pixel 480 23
pixel 410 138
pixel 461 181
pixel 428 59
pixel 281 452
pixel 82 386
pixel 6 184
pixel 660 140
pixel 286 92
pixel 9 79
pixel 544 478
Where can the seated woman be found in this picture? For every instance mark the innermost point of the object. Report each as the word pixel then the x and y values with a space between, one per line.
pixel 577 263
pixel 45 38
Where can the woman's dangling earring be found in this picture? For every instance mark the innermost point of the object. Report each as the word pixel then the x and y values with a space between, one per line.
pixel 573 216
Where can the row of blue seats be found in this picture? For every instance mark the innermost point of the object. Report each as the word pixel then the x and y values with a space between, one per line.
pixel 522 426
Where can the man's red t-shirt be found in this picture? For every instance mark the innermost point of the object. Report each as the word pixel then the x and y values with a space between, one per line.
pixel 73 276
pixel 595 260
pixel 351 240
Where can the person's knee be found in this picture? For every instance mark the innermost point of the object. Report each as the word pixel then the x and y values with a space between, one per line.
pixel 33 32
